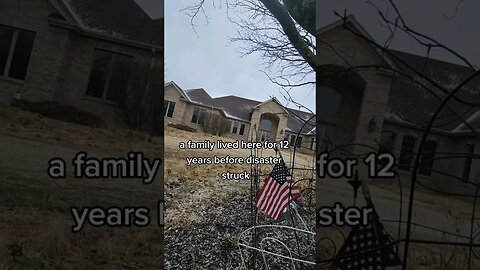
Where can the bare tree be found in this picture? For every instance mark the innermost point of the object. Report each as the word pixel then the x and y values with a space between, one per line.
pixel 393 21
pixel 282 32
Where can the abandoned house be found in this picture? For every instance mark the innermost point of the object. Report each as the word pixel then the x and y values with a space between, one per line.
pixel 386 106
pixel 82 53
pixel 247 119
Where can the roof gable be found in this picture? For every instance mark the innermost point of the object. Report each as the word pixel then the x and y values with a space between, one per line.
pixel 346 48
pixel 117 19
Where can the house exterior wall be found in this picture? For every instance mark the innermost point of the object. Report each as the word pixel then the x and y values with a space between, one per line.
pixel 172 94
pixel 75 74
pixel 47 54
pixel 61 60
pixel 445 145
pixel 364 93
pixel 270 107
pixel 238 136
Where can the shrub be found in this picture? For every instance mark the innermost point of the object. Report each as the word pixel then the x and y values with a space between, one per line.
pixel 215 124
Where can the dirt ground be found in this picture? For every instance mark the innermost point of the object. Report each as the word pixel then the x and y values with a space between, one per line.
pixel 35 218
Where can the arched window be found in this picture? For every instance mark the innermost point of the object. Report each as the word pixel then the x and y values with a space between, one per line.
pixel 406 152
pixel 329 101
pixel 266 125
pixel 427 158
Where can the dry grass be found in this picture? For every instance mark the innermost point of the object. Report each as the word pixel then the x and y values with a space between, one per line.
pixel 35 220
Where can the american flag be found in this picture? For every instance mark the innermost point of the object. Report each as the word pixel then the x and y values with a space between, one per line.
pixel 277 192
pixel 373 246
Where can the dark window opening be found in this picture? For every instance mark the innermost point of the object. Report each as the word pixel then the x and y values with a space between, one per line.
pixel 406 153
pixel 427 158
pixel 15 52
pixel 198 116
pixel 312 142
pixel 168 108
pixel 298 143
pixel 109 76
pixel 235 127
pixel 242 129
pixel 292 139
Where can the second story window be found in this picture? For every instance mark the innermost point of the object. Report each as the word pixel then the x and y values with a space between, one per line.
pixel 109 76
pixel 15 51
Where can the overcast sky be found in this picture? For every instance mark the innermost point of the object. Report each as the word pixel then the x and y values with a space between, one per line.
pixel 461 33
pixel 154 8
pixel 205 61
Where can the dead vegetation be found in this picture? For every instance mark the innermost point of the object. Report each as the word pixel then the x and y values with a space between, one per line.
pixel 35 220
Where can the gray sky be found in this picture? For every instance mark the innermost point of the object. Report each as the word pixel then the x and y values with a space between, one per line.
pixel 205 61
pixel 154 8
pixel 461 33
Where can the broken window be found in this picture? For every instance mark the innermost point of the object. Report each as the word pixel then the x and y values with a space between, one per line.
pixel 109 76
pixel 15 51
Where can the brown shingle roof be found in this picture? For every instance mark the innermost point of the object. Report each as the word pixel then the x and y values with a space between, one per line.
pixel 240 108
pixel 116 18
pixel 412 103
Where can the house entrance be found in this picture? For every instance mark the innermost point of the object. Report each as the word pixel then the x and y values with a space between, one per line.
pixel 268 127
pixel 265 129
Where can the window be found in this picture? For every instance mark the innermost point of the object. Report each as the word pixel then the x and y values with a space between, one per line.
pixel 238 128
pixel 242 129
pixel 109 75
pixel 15 51
pixel 292 139
pixel 299 142
pixel 406 153
pixel 427 158
pixel 168 108
pixel 235 127
pixel 198 116
pixel 469 149
pixel 266 124
pixel 312 143
pixel 329 101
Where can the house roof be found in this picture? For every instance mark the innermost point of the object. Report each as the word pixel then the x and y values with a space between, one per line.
pixel 411 102
pixel 118 19
pixel 199 96
pixel 240 108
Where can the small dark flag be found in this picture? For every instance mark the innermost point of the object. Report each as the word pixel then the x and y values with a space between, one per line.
pixel 367 248
pixel 277 192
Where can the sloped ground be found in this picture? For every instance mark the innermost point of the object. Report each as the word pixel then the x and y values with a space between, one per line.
pixel 35 219
pixel 205 214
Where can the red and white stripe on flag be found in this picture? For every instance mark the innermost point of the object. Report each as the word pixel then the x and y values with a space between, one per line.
pixel 273 198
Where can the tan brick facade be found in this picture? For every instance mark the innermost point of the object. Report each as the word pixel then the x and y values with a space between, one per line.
pixel 270 109
pixel 62 59
pixel 365 99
